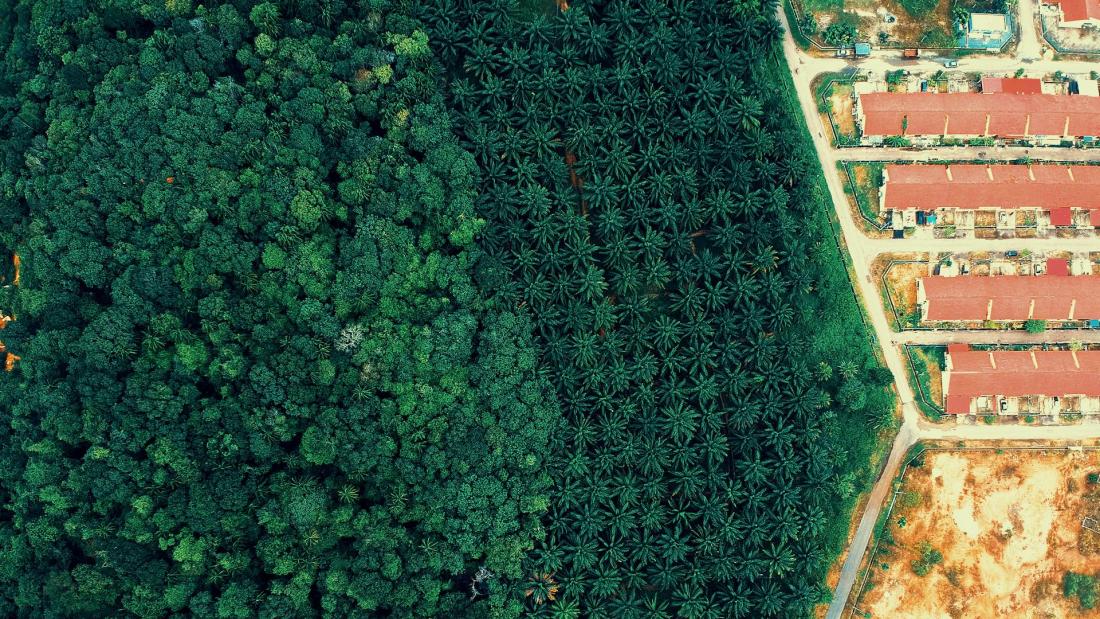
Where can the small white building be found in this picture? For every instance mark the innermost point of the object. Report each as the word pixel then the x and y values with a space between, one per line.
pixel 1089 88
pixel 987 25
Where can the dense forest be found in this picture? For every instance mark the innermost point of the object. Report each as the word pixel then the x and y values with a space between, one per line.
pixel 259 371
pixel 444 308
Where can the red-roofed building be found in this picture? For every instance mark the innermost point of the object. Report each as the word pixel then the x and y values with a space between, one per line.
pixel 1013 85
pixel 1057 267
pixel 1015 382
pixel 1046 119
pixel 1078 13
pixel 1059 190
pixel 1061 216
pixel 1011 298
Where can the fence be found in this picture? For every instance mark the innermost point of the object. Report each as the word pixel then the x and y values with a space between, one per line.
pixel 1057 46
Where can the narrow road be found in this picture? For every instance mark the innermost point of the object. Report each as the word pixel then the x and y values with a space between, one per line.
pixel 1054 154
pixel 804 68
pixel 942 337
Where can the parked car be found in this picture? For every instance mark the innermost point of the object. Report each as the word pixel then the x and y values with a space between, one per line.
pixel 950 64
pixel 1012 253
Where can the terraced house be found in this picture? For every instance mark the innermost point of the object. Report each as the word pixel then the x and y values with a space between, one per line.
pixel 1053 196
pixel 1021 382
pixel 926 118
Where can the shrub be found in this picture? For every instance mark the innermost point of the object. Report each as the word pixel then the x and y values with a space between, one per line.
pixel 929 558
pixel 843 31
pixel 1082 586
pixel 1035 326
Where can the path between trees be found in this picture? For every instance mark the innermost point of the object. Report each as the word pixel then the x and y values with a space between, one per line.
pixel 863 250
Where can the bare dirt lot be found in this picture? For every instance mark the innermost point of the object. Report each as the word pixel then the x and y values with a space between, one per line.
pixel 901 282
pixel 1008 526
pixel 933 27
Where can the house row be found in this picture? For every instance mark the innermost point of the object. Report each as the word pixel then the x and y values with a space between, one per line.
pixel 1055 295
pixel 1069 196
pixel 1044 119
pixel 1020 382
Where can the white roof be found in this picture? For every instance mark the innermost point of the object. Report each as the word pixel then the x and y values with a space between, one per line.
pixel 1089 87
pixel 991 22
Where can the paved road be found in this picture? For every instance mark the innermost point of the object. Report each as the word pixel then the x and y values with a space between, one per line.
pixel 863 251
pixel 942 337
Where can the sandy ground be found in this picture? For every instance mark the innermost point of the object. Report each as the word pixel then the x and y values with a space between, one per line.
pixel 902 281
pixel 1008 526
pixel 841 101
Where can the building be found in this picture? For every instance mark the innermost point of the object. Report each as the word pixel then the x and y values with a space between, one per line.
pixel 1054 296
pixel 1088 88
pixel 1078 13
pixel 987 30
pixel 1012 85
pixel 1067 195
pixel 1020 382
pixel 862 50
pixel 929 117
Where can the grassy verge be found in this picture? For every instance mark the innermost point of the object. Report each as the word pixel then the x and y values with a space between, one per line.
pixel 862 182
pixel 844 335
pixel 800 39
pixel 925 372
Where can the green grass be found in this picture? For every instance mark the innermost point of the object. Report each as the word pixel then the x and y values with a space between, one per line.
pixel 919 8
pixel 865 192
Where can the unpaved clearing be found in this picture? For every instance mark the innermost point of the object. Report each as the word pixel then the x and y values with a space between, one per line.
pixel 1008 525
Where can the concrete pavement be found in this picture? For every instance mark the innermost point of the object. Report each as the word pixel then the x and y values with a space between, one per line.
pixel 942 337
pixel 863 250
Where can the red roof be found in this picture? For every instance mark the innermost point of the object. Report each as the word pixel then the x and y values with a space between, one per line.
pixel 1061 216
pixel 1012 297
pixel 1013 85
pixel 969 186
pixel 1018 373
pixel 1079 10
pixel 1057 267
pixel 967 113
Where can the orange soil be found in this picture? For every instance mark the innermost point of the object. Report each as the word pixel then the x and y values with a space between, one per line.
pixel 1008 526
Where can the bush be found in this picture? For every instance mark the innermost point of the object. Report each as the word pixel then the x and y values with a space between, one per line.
pixel 929 558
pixel 843 31
pixel 1035 326
pixel 1082 586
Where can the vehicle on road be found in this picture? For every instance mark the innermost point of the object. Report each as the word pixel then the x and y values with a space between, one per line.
pixel 951 64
